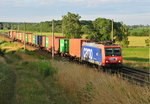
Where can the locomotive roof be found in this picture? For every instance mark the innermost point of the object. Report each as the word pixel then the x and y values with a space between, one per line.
pixel 97 45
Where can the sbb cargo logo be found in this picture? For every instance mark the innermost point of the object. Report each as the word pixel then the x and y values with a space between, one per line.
pixel 88 53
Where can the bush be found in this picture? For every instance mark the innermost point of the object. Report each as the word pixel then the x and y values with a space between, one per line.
pixel 147 42
pixel 43 67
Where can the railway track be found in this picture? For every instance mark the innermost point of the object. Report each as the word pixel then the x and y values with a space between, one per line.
pixel 136 76
pixel 133 75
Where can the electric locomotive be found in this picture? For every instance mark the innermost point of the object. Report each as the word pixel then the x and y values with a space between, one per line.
pixel 105 55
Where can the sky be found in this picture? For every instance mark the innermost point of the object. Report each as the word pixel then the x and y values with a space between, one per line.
pixel 130 12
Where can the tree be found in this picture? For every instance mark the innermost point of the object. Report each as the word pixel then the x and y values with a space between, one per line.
pixel 124 35
pixel 101 31
pixel 102 28
pixel 86 29
pixel 71 25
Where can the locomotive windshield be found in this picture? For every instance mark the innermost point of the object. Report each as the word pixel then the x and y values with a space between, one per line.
pixel 113 51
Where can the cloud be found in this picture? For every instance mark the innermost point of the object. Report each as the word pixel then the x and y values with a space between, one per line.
pixel 22 3
pixel 34 2
pixel 90 3
pixel 55 2
pixel 127 19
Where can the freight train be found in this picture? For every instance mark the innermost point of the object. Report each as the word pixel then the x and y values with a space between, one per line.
pixel 103 54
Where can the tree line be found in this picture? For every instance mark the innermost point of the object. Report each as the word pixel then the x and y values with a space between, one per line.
pixel 71 26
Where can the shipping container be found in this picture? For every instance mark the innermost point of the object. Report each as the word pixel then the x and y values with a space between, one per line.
pixel 39 40
pixel 23 37
pixel 17 35
pixel 26 37
pixel 29 37
pixel 33 39
pixel 64 45
pixel 56 42
pixel 20 34
pixel 47 42
pixel 43 41
pixel 75 47
pixel 36 39
pixel 12 34
pixel 92 53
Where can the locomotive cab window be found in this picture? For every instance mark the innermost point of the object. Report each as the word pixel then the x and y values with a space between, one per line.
pixel 113 51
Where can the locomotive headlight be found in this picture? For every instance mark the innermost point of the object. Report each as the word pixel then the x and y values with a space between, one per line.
pixel 106 61
pixel 119 61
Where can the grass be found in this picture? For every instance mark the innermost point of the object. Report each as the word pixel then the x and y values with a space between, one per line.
pixel 85 86
pixel 136 54
pixel 7 84
pixel 35 83
pixel 30 85
pixel 137 40
pixel 72 84
pixel 136 57
pixel 68 83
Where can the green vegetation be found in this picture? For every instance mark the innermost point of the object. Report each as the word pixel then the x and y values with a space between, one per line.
pixel 137 40
pixel 147 42
pixel 139 31
pixel 86 86
pixel 136 54
pixel 102 30
pixel 136 57
pixel 39 80
pixel 35 83
pixel 7 83
pixel 71 25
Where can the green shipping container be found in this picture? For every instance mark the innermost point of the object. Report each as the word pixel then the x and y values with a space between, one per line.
pixel 26 37
pixel 64 45
pixel 17 35
pixel 33 40
pixel 20 36
pixel 47 42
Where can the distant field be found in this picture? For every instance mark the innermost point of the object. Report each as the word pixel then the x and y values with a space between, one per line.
pixel 136 54
pixel 138 29
pixel 137 40
pixel 136 57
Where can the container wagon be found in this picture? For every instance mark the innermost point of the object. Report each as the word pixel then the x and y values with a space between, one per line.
pixel 75 47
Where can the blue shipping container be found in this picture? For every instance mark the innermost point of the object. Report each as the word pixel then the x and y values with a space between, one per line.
pixel 39 40
pixel 92 54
